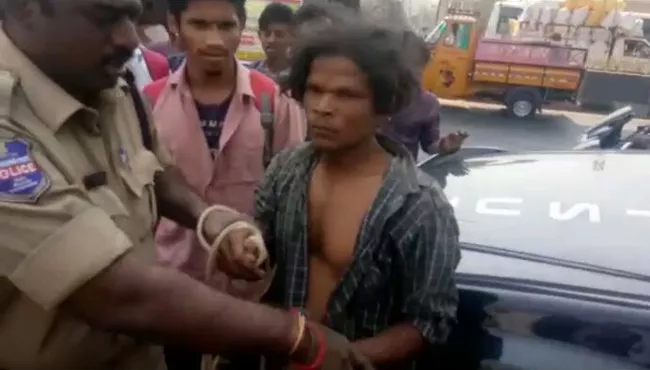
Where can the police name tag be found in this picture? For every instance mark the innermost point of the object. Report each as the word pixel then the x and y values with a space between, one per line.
pixel 21 179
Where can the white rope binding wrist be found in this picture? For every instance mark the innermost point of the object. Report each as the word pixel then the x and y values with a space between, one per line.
pixel 255 240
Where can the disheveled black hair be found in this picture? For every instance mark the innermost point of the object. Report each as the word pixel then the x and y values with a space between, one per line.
pixel 334 11
pixel 350 4
pixel 374 50
pixel 177 7
pixel 275 13
pixel 153 12
pixel 415 49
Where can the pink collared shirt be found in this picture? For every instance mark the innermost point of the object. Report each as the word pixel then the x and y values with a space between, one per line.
pixel 231 177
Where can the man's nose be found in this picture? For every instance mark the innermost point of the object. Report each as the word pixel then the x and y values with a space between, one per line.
pixel 214 38
pixel 125 34
pixel 323 104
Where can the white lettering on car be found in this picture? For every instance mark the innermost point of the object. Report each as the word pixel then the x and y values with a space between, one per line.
pixel 556 213
pixel 638 213
pixel 490 206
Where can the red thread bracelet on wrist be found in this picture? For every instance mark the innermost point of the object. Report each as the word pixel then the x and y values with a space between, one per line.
pixel 320 355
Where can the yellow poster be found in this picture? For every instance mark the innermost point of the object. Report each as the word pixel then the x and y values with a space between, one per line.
pixel 250 48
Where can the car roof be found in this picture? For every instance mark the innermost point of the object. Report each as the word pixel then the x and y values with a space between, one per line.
pixel 586 211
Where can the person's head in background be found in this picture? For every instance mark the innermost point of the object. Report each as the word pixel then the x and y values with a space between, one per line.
pixel 313 17
pixel 209 32
pixel 275 30
pixel 354 5
pixel 152 23
pixel 349 80
pixel 416 51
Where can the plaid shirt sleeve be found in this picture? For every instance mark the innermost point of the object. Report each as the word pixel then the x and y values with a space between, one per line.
pixel 266 199
pixel 429 255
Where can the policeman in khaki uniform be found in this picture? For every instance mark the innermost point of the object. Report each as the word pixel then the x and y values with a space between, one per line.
pixel 83 181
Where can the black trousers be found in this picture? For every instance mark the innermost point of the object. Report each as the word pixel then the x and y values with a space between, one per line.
pixel 178 358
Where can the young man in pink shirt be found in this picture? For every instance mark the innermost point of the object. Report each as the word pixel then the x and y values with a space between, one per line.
pixel 209 115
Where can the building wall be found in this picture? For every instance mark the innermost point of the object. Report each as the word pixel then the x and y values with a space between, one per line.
pixel 638 6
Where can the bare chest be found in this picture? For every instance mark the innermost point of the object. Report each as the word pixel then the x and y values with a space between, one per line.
pixel 336 211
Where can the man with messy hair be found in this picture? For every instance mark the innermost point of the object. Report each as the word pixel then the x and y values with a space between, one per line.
pixel 313 16
pixel 363 241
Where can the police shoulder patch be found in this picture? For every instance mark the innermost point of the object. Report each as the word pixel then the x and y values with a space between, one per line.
pixel 21 179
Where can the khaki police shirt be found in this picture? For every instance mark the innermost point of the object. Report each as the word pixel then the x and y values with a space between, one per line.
pixel 57 233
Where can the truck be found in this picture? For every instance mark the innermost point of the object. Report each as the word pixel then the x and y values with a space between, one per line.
pixel 474 58
pixel 523 76
pixel 617 68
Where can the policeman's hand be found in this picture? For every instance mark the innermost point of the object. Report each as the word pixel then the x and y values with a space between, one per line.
pixel 333 349
pixel 239 255
pixel 241 250
pixel 452 142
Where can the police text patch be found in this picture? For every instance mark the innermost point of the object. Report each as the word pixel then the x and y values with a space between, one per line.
pixel 21 179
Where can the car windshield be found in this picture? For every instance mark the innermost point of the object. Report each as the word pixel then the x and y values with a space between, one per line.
pixel 435 35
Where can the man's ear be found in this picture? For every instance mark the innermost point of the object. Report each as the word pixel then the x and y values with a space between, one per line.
pixel 174 30
pixel 172 24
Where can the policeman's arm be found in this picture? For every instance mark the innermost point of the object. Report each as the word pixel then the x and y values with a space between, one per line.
pixel 176 199
pixel 62 251
pixel 165 306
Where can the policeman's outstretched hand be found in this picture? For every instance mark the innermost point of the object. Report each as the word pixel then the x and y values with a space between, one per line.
pixel 325 349
pixel 239 255
pixel 240 248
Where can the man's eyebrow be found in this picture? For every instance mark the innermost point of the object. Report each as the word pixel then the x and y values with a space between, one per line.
pixel 198 18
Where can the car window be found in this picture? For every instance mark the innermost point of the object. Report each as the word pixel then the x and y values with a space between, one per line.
pixel 433 37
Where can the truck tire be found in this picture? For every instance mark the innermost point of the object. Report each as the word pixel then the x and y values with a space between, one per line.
pixel 522 102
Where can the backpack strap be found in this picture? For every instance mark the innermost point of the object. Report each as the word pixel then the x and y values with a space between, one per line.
pixel 141 111
pixel 153 90
pixel 264 90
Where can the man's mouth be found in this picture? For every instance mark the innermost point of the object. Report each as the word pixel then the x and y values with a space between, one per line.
pixel 214 53
pixel 321 131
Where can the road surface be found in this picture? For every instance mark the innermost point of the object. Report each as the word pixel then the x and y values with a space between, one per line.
pixel 487 126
